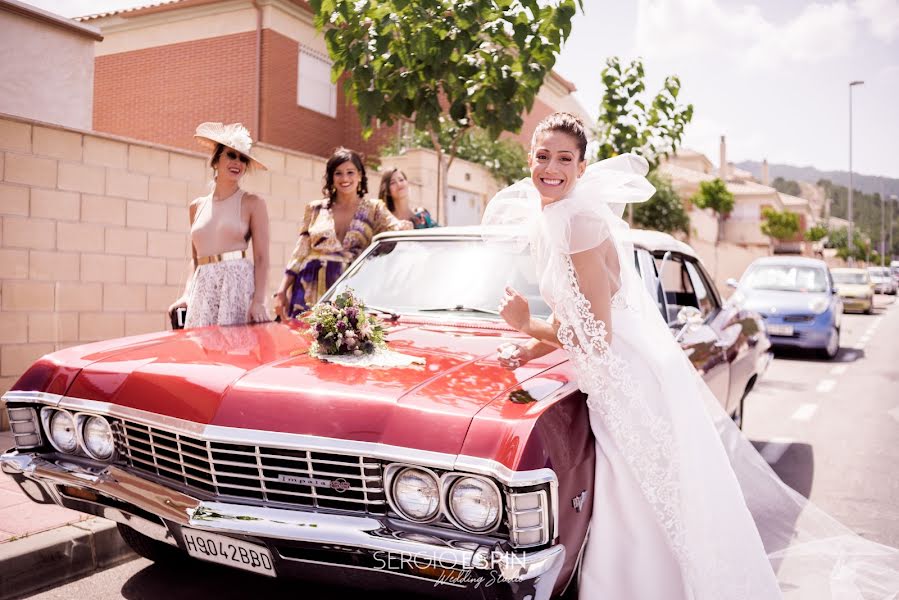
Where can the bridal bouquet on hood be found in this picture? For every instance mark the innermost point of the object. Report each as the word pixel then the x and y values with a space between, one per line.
pixel 343 327
pixel 346 334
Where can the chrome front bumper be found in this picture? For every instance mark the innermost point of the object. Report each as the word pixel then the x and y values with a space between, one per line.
pixel 134 501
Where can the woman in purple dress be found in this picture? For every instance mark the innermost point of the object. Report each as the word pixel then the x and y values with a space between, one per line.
pixel 335 230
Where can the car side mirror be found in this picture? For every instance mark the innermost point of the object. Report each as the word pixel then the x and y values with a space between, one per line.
pixel 732 283
pixel 834 291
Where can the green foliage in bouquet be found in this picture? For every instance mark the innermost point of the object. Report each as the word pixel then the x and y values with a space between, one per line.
pixel 343 327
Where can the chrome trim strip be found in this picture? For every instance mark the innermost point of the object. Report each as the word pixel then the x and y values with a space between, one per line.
pixel 38 397
pixel 374 450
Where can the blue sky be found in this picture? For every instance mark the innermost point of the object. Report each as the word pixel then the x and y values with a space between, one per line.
pixel 771 75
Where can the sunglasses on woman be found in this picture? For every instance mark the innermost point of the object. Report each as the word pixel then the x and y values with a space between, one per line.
pixel 236 155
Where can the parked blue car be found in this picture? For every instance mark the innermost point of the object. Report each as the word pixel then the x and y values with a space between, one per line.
pixel 796 298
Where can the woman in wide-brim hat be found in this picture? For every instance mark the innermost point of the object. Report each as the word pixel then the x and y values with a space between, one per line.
pixel 225 287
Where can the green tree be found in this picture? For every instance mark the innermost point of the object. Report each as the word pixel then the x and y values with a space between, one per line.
pixel 714 195
pixel 816 233
pixel 506 159
pixel 779 225
pixel 664 211
pixel 445 65
pixel 627 124
pixel 839 239
pixel 786 186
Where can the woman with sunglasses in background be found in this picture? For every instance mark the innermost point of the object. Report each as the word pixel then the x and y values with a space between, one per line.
pixel 225 287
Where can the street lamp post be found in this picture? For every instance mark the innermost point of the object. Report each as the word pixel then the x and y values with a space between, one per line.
pixel 849 243
pixel 893 199
pixel 882 223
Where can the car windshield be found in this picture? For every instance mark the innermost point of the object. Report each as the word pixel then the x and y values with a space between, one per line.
pixel 851 277
pixel 787 278
pixel 439 276
pixel 879 271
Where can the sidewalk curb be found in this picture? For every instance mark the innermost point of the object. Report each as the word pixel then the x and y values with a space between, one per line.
pixel 57 556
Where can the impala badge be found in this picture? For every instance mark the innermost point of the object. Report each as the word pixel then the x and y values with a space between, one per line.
pixel 578 501
pixel 338 485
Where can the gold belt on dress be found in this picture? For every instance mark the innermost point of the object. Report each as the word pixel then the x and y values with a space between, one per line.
pixel 232 255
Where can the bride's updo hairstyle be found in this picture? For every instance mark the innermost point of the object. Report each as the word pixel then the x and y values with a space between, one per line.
pixel 565 123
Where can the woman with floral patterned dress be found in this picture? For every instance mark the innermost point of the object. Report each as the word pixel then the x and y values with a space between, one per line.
pixel 394 191
pixel 335 230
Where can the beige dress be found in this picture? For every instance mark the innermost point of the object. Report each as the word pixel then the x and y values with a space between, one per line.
pixel 219 293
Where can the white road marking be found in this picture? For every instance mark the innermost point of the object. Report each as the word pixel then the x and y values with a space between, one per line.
pixel 825 385
pixel 839 369
pixel 775 449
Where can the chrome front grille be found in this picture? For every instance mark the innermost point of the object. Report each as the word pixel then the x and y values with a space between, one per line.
pixel 258 474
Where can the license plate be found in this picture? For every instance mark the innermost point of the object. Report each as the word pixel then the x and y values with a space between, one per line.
pixel 784 330
pixel 228 551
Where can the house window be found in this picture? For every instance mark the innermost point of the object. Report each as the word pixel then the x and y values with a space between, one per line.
pixel 314 88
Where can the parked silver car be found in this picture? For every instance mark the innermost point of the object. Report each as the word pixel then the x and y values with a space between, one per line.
pixel 883 280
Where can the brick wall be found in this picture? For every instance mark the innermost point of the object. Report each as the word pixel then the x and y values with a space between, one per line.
pixel 93 233
pixel 284 123
pixel 160 94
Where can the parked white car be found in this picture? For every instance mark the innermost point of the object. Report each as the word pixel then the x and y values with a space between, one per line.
pixel 883 280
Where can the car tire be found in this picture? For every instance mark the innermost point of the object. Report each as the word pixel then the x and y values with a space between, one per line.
pixel 831 350
pixel 147 547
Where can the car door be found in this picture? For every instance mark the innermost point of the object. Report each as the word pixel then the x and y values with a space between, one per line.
pixel 735 331
pixel 682 286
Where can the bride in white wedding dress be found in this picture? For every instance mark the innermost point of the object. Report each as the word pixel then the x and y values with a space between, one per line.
pixel 684 506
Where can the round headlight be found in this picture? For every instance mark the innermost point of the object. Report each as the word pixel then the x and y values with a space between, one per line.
pixel 416 494
pixel 818 305
pixel 475 503
pixel 62 431
pixel 97 436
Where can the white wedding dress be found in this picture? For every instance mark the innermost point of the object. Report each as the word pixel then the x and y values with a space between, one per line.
pixel 684 507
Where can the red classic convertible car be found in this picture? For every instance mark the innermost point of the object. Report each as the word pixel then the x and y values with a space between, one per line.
pixel 234 445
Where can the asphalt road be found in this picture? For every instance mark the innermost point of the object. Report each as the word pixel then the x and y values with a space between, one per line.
pixel 829 428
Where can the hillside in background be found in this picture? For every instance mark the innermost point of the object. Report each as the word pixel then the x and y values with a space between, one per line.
pixel 869 184
pixel 871 218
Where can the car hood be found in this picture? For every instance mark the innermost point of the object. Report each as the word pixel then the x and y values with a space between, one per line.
pixel 262 378
pixel 767 302
pixel 853 289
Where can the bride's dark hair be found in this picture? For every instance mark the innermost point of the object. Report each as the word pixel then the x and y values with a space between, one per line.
pixel 566 123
